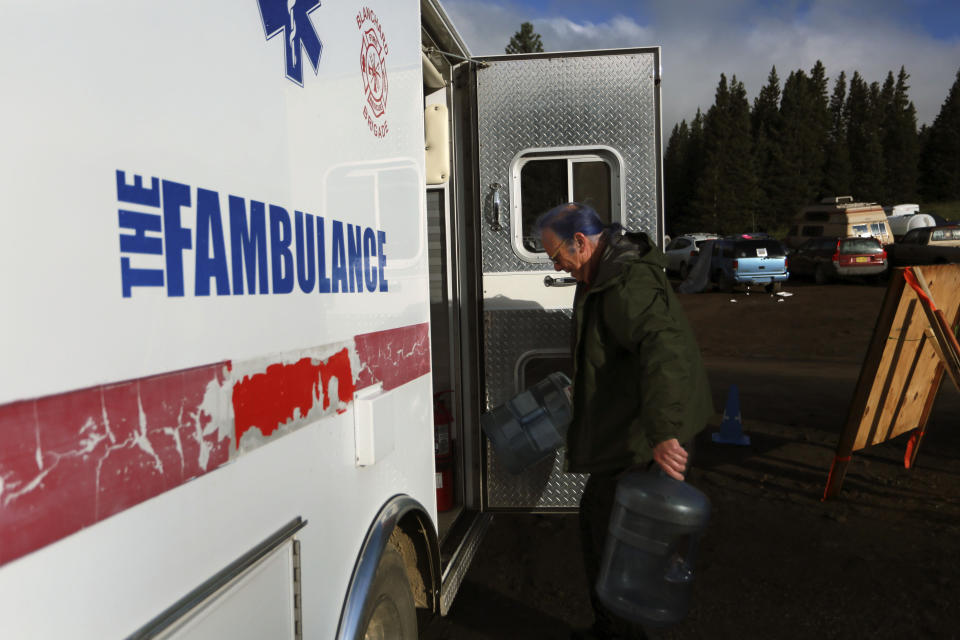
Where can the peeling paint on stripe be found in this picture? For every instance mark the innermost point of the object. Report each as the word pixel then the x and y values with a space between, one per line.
pixel 288 392
pixel 73 459
pixel 393 357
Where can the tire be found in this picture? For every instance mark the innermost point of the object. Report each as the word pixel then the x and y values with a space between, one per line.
pixel 726 283
pixel 774 287
pixel 389 612
pixel 684 270
pixel 820 276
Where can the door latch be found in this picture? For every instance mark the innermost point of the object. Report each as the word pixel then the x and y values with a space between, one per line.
pixel 497 205
pixel 550 281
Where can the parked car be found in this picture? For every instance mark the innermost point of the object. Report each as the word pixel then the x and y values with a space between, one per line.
pixel 683 250
pixel 746 260
pixel 928 245
pixel 829 259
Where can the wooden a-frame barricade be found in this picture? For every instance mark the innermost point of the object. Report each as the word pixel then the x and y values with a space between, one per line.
pixel 913 345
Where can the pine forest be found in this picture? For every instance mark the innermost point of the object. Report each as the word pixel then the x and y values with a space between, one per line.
pixel 739 168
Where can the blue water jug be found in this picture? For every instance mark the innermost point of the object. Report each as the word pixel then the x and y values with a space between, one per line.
pixel 646 573
pixel 532 425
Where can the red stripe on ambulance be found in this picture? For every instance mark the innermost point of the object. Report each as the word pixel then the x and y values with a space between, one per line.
pixel 285 392
pixel 73 459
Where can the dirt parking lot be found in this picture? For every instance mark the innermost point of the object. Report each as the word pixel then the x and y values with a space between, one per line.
pixel 881 561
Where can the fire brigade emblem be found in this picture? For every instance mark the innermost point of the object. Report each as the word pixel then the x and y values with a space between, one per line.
pixel 373 71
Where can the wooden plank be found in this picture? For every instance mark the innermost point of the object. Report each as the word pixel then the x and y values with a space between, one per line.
pixel 910 457
pixel 902 370
pixel 889 375
pixel 865 382
pixel 945 342
pixel 944 284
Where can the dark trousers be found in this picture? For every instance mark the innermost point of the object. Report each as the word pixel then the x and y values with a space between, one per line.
pixel 595 507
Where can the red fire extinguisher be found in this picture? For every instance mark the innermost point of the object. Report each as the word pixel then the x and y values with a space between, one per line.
pixel 443 450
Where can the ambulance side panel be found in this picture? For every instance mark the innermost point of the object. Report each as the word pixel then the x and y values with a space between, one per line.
pixel 177 381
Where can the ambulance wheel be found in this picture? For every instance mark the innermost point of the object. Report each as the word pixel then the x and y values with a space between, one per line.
pixel 389 612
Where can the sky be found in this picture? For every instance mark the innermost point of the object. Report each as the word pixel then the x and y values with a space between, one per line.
pixel 700 39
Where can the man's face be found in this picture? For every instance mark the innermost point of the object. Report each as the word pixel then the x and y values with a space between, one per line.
pixel 569 256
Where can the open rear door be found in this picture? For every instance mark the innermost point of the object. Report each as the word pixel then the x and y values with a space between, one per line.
pixel 552 128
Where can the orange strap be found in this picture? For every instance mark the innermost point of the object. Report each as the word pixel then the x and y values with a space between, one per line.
pixel 911 446
pixel 911 279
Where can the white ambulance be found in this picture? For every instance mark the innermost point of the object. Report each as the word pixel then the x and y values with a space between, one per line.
pixel 263 264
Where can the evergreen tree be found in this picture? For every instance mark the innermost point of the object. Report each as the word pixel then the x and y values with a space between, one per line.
pixel 674 180
pixel 820 122
pixel 901 148
pixel 804 131
pixel 836 171
pixel 940 162
pixel 726 193
pixel 693 169
pixel 767 150
pixel 884 105
pixel 863 140
pixel 525 41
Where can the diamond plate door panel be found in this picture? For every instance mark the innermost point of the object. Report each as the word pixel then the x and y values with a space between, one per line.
pixel 546 102
pixel 600 100
pixel 512 337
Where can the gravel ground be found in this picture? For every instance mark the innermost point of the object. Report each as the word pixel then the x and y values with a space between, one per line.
pixel 881 561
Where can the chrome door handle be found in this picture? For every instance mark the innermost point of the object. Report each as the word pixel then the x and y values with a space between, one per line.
pixel 497 205
pixel 550 281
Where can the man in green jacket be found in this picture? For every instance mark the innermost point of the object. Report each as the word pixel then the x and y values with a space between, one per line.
pixel 640 391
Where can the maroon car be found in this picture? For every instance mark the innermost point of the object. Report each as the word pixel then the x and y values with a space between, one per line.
pixel 826 259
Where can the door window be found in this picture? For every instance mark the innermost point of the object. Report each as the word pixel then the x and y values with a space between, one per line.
pixel 945 235
pixel 545 179
pixel 537 365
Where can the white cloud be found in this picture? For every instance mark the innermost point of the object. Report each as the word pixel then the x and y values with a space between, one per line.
pixel 702 39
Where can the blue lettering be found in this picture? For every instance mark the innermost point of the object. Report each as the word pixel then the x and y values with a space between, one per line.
pixel 131 277
pixel 175 237
pixel 297 258
pixel 323 280
pixel 369 248
pixel 210 229
pixel 136 193
pixel 382 240
pixel 355 258
pixel 305 256
pixel 248 245
pixel 338 270
pixel 140 223
pixel 281 259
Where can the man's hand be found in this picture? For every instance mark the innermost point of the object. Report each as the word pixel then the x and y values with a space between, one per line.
pixel 671 457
